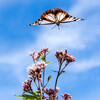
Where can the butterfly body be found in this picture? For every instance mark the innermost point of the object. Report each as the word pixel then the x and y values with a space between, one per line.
pixel 57 21
pixel 55 16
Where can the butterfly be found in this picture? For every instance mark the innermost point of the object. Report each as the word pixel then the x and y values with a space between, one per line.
pixel 55 16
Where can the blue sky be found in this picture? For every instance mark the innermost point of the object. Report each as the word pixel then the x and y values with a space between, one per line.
pixel 82 79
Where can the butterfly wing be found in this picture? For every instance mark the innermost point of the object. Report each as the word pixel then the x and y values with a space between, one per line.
pixel 47 17
pixel 60 14
pixel 70 19
pixel 64 17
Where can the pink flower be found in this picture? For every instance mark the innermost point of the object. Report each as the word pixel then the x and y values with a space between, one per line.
pixel 50 92
pixel 44 50
pixel 27 86
pixel 36 56
pixel 57 89
pixel 42 65
pixel 66 96
pixel 35 70
pixel 64 56
pixel 69 58
pixel 32 54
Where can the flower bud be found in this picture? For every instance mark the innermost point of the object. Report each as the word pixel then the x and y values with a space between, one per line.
pixel 27 86
pixel 66 96
pixel 50 92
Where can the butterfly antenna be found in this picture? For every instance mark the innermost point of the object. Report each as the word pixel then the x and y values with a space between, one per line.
pixel 58 27
pixel 53 27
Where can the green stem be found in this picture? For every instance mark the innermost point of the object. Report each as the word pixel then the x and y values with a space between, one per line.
pixel 44 74
pixel 58 75
pixel 64 67
pixel 36 84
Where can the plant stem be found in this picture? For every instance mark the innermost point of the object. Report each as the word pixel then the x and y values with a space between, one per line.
pixel 43 74
pixel 59 72
pixel 64 67
pixel 43 82
pixel 56 80
pixel 58 75
pixel 36 84
pixel 44 69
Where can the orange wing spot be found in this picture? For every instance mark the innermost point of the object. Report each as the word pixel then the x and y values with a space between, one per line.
pixel 58 10
pixel 50 11
pixel 43 16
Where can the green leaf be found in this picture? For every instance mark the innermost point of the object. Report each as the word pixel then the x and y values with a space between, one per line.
pixel 48 53
pixel 48 62
pixel 33 93
pixel 29 97
pixel 25 95
pixel 62 72
pixel 42 58
pixel 37 92
pixel 49 77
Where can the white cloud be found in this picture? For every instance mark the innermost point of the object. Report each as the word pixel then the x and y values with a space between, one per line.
pixel 53 39
pixel 60 38
pixel 86 64
pixel 12 58
pixel 82 6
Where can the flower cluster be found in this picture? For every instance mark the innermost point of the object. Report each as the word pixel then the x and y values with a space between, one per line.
pixel 27 86
pixel 44 50
pixel 35 70
pixel 36 56
pixel 51 93
pixel 64 56
pixel 66 96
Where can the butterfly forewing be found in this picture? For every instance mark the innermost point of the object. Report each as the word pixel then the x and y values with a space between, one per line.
pixel 47 17
pixel 70 19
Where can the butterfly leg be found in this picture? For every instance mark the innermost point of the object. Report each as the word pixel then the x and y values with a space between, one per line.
pixel 53 27
pixel 61 25
pixel 58 27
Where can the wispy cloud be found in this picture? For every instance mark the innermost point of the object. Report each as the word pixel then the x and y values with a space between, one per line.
pixel 60 38
pixel 13 57
pixel 83 6
pixel 86 64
